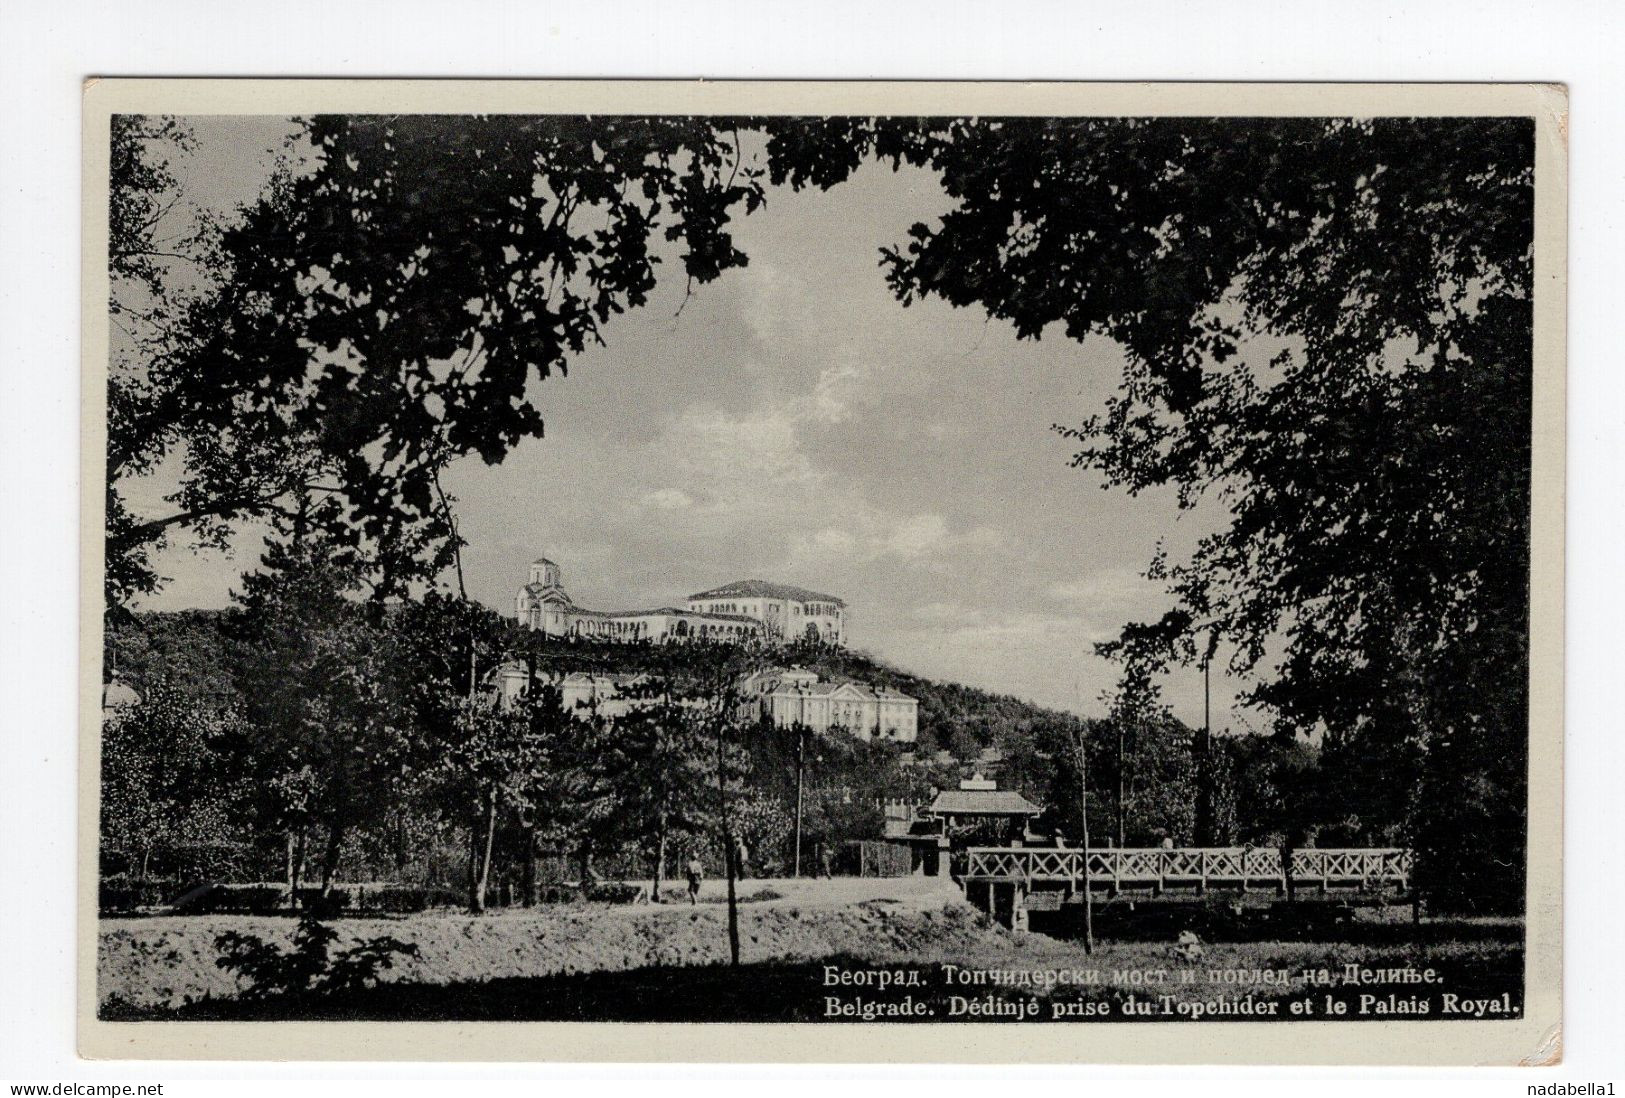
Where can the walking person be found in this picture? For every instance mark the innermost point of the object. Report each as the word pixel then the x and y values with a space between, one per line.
pixel 696 872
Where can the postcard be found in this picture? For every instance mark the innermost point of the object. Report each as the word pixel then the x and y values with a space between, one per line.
pixel 758 571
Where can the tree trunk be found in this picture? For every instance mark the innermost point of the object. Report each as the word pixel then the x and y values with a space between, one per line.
pixel 1287 849
pixel 732 862
pixel 586 871
pixel 801 777
pixel 483 880
pixel 298 870
pixel 660 860
pixel 471 880
pixel 330 858
pixel 528 880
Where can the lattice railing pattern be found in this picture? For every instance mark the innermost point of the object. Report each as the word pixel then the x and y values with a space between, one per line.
pixel 1351 865
pixel 1184 865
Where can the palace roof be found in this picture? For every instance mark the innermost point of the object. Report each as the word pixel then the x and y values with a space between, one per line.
pixel 851 689
pixel 762 589
pixel 982 802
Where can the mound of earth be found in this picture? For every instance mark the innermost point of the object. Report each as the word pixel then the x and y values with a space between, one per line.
pixel 170 961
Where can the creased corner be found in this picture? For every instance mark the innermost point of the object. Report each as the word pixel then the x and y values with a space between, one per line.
pixel 1549 1053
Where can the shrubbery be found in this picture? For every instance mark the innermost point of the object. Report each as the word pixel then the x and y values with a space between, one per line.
pixel 311 966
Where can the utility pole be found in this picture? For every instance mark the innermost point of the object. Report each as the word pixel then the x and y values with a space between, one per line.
pixel 1122 783
pixel 1204 749
pixel 801 773
pixel 1082 763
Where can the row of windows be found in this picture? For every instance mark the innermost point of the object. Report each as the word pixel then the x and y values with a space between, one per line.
pixel 642 629
pixel 813 609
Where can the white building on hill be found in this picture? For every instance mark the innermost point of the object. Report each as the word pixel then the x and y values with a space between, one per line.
pixel 795 696
pixel 784 696
pixel 580 692
pixel 741 611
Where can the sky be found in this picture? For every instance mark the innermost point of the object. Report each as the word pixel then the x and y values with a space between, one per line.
pixel 793 422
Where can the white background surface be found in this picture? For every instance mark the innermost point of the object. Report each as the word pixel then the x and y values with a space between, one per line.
pixel 46 49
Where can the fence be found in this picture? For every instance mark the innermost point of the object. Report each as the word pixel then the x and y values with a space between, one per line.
pixel 1190 866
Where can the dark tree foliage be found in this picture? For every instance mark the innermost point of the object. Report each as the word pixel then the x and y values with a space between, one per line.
pixel 165 787
pixel 330 731
pixel 387 306
pixel 1327 326
pixel 154 249
pixel 446 649
pixel 187 651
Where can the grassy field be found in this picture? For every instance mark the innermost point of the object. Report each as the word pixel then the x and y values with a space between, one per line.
pixel 845 950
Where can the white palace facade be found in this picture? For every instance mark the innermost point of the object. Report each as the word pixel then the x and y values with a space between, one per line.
pixel 737 612
pixel 793 696
pixel 784 696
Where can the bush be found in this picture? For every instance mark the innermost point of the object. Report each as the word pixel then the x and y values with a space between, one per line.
pixel 336 900
pixel 405 899
pixel 234 899
pixel 310 967
pixel 121 894
pixel 598 894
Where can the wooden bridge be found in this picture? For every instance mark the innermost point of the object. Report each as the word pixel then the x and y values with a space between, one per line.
pixel 1014 880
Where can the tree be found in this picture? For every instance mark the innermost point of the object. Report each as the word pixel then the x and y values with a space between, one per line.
pixel 472 751
pixel 709 675
pixel 574 795
pixel 1327 331
pixel 385 307
pixel 485 770
pixel 163 786
pixel 157 263
pixel 764 826
pixel 329 723
pixel 666 772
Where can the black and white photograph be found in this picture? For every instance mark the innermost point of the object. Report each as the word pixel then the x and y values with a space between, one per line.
pixel 884 568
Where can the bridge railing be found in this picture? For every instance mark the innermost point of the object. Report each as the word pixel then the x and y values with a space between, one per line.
pixel 1139 866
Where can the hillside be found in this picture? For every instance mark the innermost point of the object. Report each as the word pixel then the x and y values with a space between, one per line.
pixel 959 719
pixel 189 649
pixel 1261 780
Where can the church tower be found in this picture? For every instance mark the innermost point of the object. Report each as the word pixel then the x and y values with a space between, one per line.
pixel 546 573
pixel 542 603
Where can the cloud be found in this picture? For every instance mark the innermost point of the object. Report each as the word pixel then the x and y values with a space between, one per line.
pixel 968 625
pixel 1110 591
pixel 669 499
pixel 834 393
pixel 749 478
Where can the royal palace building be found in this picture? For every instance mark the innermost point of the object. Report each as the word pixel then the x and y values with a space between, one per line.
pixel 741 611
pixel 794 696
